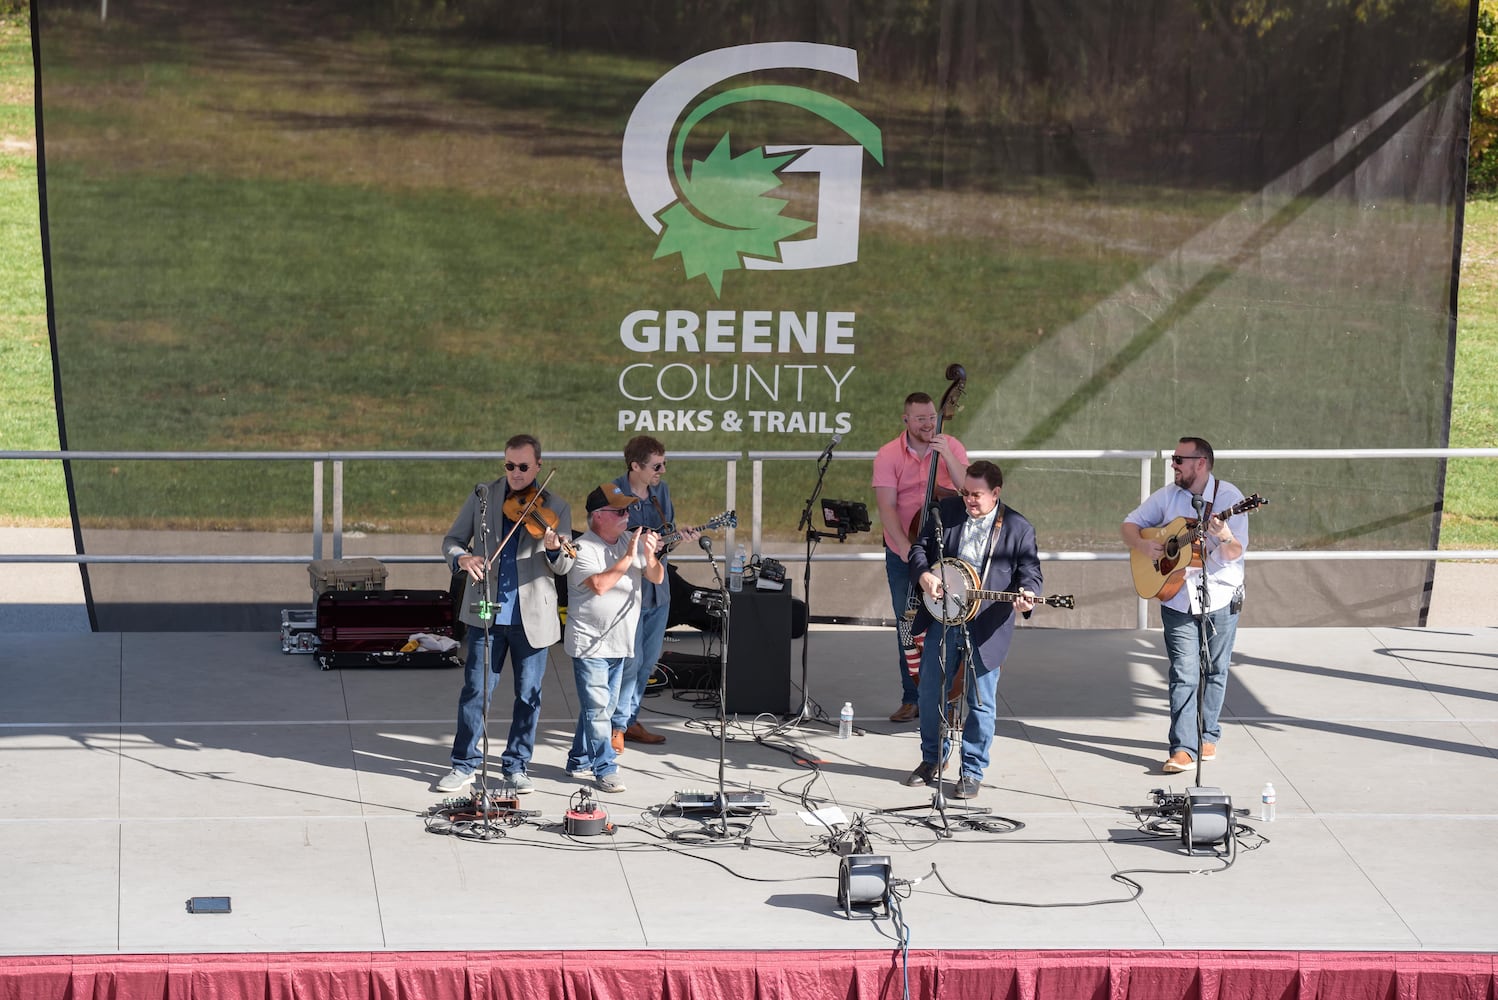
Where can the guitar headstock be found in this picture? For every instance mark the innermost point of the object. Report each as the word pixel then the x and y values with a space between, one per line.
pixel 727 519
pixel 1061 601
pixel 1245 505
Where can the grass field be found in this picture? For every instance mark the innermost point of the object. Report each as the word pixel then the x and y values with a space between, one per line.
pixel 346 277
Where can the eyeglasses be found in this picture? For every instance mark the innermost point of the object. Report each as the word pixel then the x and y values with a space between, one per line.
pixel 522 466
pixel 621 511
pixel 1178 459
pixel 973 493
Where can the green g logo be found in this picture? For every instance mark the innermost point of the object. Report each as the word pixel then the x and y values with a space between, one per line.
pixel 719 215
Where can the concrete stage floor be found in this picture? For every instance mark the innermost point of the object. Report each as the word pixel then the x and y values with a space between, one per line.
pixel 141 769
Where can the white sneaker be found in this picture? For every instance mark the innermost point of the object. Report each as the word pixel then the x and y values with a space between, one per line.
pixel 454 780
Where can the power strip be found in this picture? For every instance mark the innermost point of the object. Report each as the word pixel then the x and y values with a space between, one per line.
pixel 693 800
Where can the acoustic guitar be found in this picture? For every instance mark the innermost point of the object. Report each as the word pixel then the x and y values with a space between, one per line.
pixel 1163 577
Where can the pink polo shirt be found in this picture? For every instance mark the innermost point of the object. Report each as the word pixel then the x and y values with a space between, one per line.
pixel 896 465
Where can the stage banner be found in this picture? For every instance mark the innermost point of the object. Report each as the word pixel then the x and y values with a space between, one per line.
pixel 427 225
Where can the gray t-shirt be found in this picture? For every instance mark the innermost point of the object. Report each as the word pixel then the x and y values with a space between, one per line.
pixel 602 624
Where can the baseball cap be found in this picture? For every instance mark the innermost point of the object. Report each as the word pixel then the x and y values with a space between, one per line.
pixel 610 495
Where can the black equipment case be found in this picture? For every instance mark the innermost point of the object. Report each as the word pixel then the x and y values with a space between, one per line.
pixel 368 628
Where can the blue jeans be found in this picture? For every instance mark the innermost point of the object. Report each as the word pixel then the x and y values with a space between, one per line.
pixel 529 670
pixel 650 636
pixel 977 730
pixel 597 680
pixel 899 584
pixel 1183 644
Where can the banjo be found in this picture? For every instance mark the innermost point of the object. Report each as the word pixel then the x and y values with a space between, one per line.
pixel 962 597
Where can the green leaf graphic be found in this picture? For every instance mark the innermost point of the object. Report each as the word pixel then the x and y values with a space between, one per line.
pixel 733 217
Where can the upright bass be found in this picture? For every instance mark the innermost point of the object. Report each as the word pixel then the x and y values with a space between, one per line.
pixel 910 645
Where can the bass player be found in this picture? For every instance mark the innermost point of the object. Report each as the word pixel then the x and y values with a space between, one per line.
pixel 1195 492
pixel 999 544
pixel 901 474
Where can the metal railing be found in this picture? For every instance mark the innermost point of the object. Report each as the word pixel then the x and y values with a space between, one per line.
pixel 758 459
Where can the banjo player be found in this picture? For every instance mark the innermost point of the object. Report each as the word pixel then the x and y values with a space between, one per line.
pixel 999 544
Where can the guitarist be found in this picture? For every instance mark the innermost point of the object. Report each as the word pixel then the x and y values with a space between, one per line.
pixel 1222 548
pixel 644 464
pixel 901 473
pixel 1000 544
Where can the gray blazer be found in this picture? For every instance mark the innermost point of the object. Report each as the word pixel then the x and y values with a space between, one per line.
pixel 538 591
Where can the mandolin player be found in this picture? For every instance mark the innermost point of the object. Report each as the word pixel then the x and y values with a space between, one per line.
pixel 645 465
pixel 902 473
pixel 1196 491
pixel 998 545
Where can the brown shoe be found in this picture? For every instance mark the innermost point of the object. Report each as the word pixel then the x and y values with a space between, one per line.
pixel 1177 762
pixel 1209 751
pixel 618 741
pixel 905 713
pixel 637 733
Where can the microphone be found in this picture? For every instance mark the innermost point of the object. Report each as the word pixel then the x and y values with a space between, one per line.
pixel 1198 502
pixel 837 439
pixel 482 489
pixel 707 546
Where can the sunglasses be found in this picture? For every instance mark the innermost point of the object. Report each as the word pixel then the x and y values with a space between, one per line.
pixel 1178 459
pixel 972 493
pixel 658 466
pixel 522 466
pixel 621 511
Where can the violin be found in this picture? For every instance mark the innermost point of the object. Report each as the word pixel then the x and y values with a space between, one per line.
pixel 524 507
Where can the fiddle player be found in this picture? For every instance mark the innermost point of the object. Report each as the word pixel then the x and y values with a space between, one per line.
pixel 524 594
pixel 999 544
pixel 644 465
pixel 1223 545
pixel 901 473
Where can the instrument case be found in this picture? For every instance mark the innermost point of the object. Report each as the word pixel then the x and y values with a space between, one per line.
pixel 368 628
pixel 346 574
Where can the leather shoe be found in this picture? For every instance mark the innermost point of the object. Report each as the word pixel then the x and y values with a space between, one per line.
pixel 925 774
pixel 617 741
pixel 905 713
pixel 966 787
pixel 637 733
pixel 1177 762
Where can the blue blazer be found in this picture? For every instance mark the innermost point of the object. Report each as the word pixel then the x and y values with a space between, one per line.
pixel 1015 563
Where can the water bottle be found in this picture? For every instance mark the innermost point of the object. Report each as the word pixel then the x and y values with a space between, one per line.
pixel 736 571
pixel 1266 803
pixel 845 721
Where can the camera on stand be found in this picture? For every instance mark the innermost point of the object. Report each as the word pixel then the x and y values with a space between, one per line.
pixel 846 517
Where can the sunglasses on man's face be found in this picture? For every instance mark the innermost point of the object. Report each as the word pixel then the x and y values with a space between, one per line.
pixel 975 494
pixel 522 466
pixel 1180 459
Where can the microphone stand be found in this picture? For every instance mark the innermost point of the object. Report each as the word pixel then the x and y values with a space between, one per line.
pixel 706 544
pixel 1199 504
pixel 953 715
pixel 486 615
pixel 804 713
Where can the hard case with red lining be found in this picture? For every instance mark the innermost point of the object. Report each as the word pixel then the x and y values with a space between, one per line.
pixel 369 628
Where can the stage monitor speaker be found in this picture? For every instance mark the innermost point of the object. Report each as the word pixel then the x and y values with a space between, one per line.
pixel 1207 820
pixel 759 653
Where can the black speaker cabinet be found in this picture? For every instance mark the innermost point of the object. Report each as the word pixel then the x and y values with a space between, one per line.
pixel 759 653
